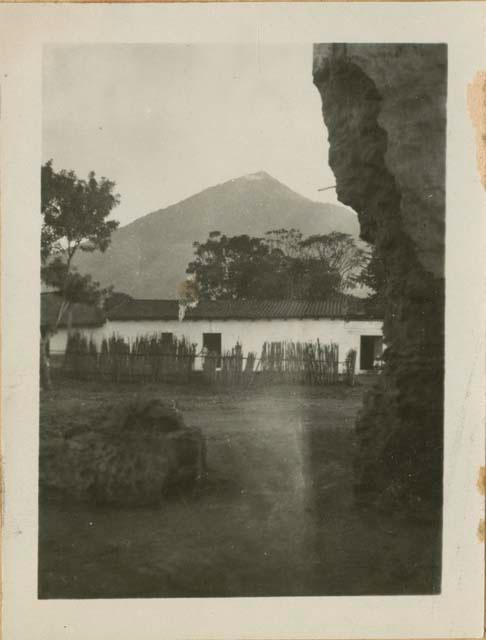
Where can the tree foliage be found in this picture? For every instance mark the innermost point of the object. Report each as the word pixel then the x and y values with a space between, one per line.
pixel 374 278
pixel 74 213
pixel 281 265
pixel 341 253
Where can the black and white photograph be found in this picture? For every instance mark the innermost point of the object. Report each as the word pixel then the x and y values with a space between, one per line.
pixel 243 324
pixel 242 314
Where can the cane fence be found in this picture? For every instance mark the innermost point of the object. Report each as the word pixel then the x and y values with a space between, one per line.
pixel 165 358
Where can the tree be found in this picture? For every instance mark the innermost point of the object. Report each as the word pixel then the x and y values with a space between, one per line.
pixel 288 241
pixel 74 213
pixel 374 278
pixel 342 255
pixel 312 279
pixel 233 267
pixel 280 265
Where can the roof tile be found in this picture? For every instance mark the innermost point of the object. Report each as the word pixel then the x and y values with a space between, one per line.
pixel 338 306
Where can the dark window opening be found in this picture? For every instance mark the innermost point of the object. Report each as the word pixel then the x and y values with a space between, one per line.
pixel 371 349
pixel 167 340
pixel 212 345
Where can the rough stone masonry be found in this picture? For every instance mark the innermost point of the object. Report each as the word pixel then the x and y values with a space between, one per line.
pixel 384 107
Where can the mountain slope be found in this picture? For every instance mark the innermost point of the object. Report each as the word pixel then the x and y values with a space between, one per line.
pixel 148 258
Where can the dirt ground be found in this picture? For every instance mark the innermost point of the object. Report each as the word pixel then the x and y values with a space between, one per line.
pixel 275 517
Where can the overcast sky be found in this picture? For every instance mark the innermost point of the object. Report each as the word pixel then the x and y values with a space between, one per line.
pixel 166 121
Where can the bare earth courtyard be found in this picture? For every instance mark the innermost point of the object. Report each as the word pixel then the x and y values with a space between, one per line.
pixel 275 516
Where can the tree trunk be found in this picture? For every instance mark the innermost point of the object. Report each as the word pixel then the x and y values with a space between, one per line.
pixel 69 322
pixel 45 373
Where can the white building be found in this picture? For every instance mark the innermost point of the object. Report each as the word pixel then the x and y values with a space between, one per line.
pixel 219 325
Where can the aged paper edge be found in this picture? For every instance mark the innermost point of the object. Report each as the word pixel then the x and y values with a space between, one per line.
pixel 476 94
pixel 229 1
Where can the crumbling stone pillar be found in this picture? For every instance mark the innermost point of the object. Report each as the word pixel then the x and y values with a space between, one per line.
pixel 384 107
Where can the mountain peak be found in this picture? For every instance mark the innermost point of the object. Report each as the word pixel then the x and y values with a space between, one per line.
pixel 259 175
pixel 148 258
pixel 262 180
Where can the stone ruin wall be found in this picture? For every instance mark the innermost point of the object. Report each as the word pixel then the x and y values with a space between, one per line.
pixel 384 107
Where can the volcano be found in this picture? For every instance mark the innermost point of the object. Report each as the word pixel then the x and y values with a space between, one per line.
pixel 148 257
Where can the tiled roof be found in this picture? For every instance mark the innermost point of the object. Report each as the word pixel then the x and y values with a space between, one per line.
pixel 83 315
pixel 145 310
pixel 272 309
pixel 339 306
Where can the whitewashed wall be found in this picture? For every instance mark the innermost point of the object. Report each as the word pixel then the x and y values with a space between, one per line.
pixel 251 334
